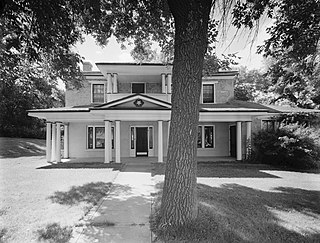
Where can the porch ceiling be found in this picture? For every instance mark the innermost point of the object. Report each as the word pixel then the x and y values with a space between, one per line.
pixel 142 115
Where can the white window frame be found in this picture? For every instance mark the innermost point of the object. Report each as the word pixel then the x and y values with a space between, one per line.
pixel 203 137
pixel 94 136
pixel 104 90
pixel 145 86
pixel 214 90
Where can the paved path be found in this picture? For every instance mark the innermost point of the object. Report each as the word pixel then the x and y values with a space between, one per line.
pixel 123 216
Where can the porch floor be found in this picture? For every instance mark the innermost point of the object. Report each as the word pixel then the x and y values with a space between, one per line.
pixel 142 160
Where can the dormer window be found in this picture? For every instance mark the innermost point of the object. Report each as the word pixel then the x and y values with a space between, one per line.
pixel 97 93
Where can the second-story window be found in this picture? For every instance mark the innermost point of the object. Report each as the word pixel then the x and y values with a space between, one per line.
pixel 97 93
pixel 138 88
pixel 208 93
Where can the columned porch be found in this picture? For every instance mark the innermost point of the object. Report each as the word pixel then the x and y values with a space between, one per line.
pixel 117 139
pixel 53 141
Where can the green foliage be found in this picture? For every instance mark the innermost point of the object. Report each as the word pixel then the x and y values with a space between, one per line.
pixel 24 86
pixel 41 34
pixel 34 56
pixel 3 232
pixel 295 26
pixel 293 47
pixel 294 80
pixel 300 118
pixel 54 233
pixel 292 145
pixel 248 83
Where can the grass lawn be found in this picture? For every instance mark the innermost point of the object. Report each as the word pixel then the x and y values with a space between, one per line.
pixel 32 198
pixel 249 204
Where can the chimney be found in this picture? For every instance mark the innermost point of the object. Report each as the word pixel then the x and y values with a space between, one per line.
pixel 87 66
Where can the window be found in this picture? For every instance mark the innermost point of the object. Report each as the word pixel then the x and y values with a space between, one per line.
pixel 96 137
pixel 208 93
pixel 205 137
pixel 138 87
pixel 99 137
pixel 90 137
pixel 150 137
pixel 112 137
pixel 132 137
pixel 199 137
pixel 97 93
pixel 208 136
pixel 268 125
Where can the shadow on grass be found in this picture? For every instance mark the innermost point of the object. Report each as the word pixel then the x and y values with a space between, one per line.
pixel 20 147
pixel 223 170
pixel 89 193
pixel 84 165
pixel 55 233
pixel 234 213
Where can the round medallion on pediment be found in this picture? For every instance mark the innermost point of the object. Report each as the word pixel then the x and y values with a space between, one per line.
pixel 138 103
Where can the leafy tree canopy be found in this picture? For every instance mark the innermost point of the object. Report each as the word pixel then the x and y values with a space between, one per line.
pixel 292 49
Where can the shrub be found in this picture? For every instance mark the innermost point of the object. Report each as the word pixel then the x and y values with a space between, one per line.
pixel 55 233
pixel 293 145
pixel 3 232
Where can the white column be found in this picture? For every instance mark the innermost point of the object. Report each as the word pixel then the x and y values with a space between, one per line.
pixel 110 141
pixel 107 143
pixel 66 141
pixel 239 143
pixel 168 135
pixel 58 148
pixel 248 142
pixel 249 127
pixel 117 142
pixel 109 83
pixel 163 82
pixel 160 142
pixel 53 144
pixel 169 82
pixel 115 83
pixel 48 142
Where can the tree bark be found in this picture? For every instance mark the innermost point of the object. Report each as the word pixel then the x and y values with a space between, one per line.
pixel 179 200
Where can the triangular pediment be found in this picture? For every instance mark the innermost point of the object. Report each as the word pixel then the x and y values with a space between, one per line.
pixel 136 101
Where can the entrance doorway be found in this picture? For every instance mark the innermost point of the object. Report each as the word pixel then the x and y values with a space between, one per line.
pixel 141 141
pixel 233 141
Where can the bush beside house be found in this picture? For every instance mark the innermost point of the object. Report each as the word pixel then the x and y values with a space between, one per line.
pixel 293 145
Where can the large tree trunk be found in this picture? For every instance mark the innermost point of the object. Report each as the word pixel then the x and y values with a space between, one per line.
pixel 179 200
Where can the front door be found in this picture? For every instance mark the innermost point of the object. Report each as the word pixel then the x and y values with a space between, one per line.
pixel 233 141
pixel 141 141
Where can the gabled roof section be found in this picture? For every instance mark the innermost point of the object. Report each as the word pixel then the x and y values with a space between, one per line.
pixel 135 101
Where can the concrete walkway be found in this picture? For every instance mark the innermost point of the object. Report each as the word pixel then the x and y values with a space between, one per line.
pixel 123 216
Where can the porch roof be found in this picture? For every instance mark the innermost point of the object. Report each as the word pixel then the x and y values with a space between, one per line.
pixel 150 108
pixel 237 105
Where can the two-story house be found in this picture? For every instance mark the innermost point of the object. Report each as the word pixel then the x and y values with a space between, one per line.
pixel 123 110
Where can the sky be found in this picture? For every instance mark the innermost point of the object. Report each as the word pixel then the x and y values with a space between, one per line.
pixel 239 45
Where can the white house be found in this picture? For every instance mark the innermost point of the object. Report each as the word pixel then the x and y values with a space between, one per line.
pixel 123 110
